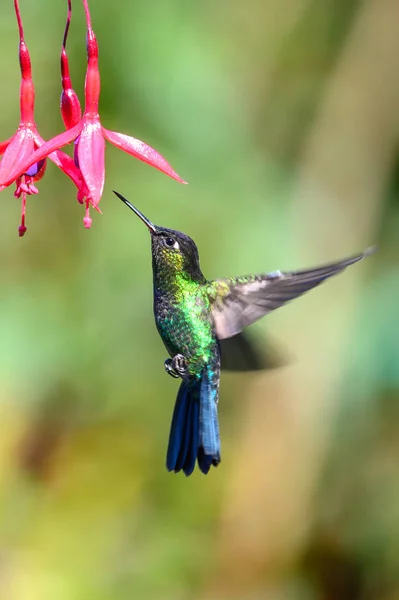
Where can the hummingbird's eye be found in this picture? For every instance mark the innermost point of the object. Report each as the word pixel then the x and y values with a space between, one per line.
pixel 171 243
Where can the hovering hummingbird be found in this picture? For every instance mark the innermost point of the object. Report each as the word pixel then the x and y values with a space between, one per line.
pixel 194 316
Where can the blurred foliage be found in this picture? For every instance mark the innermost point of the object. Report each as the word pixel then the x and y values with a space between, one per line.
pixel 283 116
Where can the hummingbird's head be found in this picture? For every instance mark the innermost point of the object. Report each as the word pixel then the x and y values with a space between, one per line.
pixel 171 250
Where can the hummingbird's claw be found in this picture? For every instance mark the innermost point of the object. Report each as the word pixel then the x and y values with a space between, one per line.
pixel 169 368
pixel 176 367
pixel 179 365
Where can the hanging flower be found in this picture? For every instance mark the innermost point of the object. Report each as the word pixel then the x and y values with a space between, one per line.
pixel 89 135
pixel 18 164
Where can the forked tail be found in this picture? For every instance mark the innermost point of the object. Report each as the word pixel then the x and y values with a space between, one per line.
pixel 194 432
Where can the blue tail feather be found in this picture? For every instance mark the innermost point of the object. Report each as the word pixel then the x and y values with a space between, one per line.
pixel 185 438
pixel 204 461
pixel 194 440
pixel 194 432
pixel 177 428
pixel 209 426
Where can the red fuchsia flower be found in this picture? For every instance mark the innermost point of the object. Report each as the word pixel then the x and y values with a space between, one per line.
pixel 19 149
pixel 71 114
pixel 89 135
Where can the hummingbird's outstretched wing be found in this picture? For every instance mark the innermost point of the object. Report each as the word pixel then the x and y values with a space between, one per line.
pixel 240 301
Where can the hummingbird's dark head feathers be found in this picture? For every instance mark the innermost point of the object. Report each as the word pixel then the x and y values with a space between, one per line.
pixel 176 251
pixel 172 251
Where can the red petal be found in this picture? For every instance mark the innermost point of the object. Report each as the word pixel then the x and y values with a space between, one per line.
pixel 43 151
pixel 3 145
pixel 141 151
pixel 63 162
pixel 19 150
pixel 91 156
pixel 67 165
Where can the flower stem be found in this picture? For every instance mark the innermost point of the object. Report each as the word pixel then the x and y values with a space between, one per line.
pixel 70 105
pixel 27 93
pixel 22 227
pixel 19 20
pixel 87 12
pixel 68 22
pixel 92 81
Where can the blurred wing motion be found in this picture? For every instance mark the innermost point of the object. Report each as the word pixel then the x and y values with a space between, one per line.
pixel 244 352
pixel 240 301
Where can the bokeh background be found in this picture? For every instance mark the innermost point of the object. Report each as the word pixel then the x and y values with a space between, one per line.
pixel 284 117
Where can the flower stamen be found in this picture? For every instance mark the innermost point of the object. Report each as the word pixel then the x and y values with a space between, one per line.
pixel 22 227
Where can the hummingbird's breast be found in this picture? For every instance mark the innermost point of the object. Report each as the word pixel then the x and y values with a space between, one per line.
pixel 184 323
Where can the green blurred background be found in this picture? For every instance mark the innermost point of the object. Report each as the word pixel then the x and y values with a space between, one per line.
pixel 284 117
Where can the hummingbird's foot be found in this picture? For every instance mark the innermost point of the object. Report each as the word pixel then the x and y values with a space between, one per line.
pixel 176 366
pixel 179 365
pixel 169 368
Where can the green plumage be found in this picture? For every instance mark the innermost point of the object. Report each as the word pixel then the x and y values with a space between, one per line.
pixel 182 319
pixel 181 304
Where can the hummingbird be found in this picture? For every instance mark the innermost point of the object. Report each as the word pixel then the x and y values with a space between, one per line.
pixel 195 317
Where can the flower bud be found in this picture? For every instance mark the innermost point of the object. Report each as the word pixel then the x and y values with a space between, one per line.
pixel 70 108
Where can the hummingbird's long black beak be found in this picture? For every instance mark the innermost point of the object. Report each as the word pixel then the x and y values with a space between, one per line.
pixel 150 226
